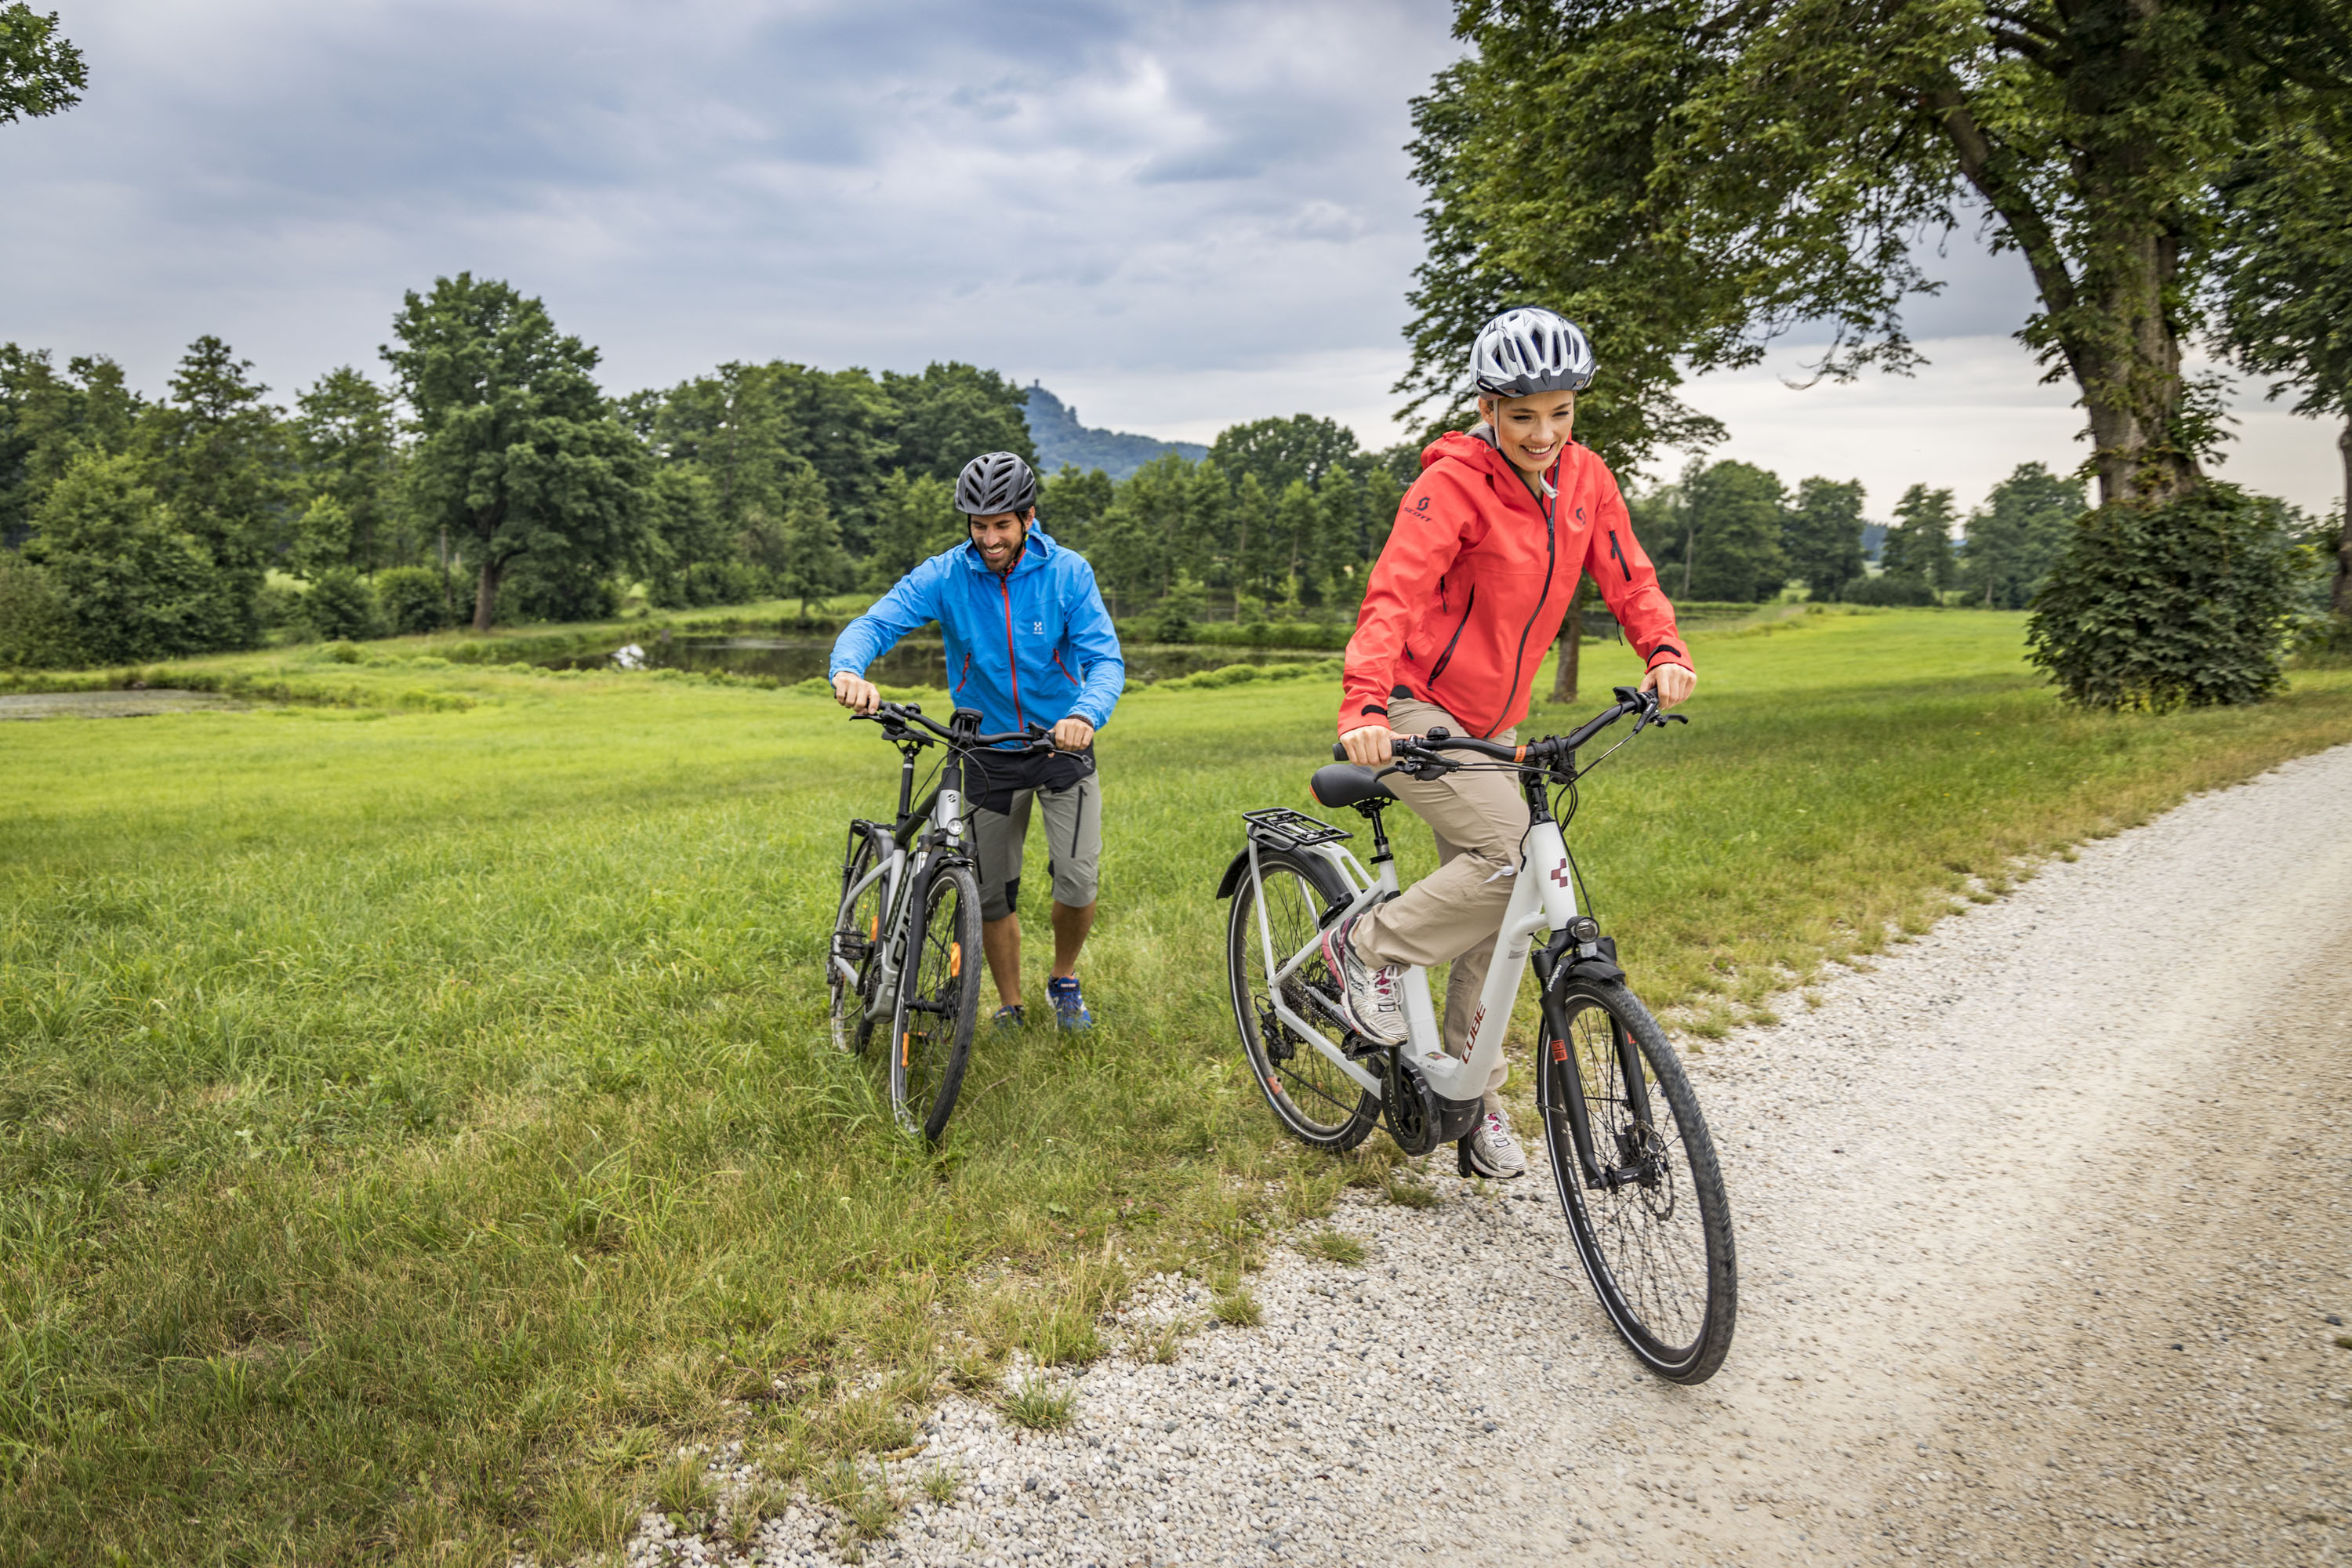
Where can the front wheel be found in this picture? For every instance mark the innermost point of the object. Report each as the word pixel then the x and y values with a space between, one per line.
pixel 1315 1102
pixel 938 1002
pixel 1648 1214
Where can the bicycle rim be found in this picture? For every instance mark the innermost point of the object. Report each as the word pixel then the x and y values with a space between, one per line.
pixel 856 937
pixel 1314 1101
pixel 939 1000
pixel 1656 1243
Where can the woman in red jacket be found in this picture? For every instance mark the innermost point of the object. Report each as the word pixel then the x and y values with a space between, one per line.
pixel 1467 595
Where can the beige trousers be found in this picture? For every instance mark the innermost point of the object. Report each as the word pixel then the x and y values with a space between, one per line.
pixel 1479 819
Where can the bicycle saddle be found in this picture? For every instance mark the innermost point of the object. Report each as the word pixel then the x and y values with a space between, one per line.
pixel 1344 783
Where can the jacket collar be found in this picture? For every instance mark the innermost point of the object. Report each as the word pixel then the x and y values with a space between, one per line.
pixel 1039 546
pixel 1478 447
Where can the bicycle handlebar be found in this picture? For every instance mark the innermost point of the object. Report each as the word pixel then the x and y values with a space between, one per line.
pixel 902 717
pixel 1545 753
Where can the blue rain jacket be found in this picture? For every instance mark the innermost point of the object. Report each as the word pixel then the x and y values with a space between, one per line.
pixel 1033 647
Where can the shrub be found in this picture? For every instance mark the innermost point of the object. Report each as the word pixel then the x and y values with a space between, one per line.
pixel 35 623
pixel 411 600
pixel 2188 604
pixel 340 605
pixel 136 585
pixel 278 605
pixel 1888 590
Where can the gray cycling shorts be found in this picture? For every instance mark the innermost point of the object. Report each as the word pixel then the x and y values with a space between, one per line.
pixel 1073 846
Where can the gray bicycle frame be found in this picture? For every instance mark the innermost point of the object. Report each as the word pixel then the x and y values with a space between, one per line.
pixel 897 872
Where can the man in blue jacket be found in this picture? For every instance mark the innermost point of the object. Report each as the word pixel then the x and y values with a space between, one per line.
pixel 1028 642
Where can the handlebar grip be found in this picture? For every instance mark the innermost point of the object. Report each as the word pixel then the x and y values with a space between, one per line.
pixel 1338 753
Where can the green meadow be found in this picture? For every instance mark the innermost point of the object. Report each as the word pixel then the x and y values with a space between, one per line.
pixel 416 1122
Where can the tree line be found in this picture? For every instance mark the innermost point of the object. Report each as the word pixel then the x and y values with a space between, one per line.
pixel 1732 531
pixel 490 478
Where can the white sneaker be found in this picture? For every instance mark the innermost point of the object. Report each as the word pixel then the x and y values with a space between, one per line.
pixel 1369 994
pixel 1493 1152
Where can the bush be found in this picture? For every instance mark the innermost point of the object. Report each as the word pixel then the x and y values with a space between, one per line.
pixel 135 585
pixel 35 625
pixel 1888 592
pixel 2156 607
pixel 411 602
pixel 342 606
pixel 277 606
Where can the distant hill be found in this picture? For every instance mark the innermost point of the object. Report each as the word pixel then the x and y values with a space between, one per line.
pixel 1054 426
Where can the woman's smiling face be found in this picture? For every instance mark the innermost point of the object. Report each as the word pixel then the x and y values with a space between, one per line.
pixel 1531 430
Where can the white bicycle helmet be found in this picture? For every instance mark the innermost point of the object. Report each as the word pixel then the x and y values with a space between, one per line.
pixel 1527 349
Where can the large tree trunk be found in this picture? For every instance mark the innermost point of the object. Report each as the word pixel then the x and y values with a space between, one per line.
pixel 485 593
pixel 1572 646
pixel 2109 323
pixel 2340 599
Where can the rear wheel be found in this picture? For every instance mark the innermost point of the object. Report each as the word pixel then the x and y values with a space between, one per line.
pixel 851 967
pixel 1654 1231
pixel 1315 1102
pixel 938 1001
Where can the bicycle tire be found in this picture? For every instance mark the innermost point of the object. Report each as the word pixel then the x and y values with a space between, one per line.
pixel 1310 1098
pixel 939 1003
pixel 1666 1272
pixel 856 937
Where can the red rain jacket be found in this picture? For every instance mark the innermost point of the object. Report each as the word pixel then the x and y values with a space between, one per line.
pixel 1476 578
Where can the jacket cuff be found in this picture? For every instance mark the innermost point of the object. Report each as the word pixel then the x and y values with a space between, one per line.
pixel 1669 651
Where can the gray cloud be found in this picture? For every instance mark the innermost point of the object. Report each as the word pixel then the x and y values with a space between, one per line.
pixel 1097 191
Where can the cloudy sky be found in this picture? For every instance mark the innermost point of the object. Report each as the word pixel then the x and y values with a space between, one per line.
pixel 1175 215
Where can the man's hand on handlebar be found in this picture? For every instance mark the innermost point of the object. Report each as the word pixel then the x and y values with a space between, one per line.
pixel 1672 682
pixel 856 693
pixel 1370 747
pixel 1074 734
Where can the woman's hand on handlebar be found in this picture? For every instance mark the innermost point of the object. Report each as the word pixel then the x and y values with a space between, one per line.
pixel 1370 747
pixel 856 693
pixel 1672 682
pixel 1074 734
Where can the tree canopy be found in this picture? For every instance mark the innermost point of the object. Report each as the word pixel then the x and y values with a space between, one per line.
pixel 517 449
pixel 41 72
pixel 1692 178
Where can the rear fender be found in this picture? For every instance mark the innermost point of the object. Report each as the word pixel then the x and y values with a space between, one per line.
pixel 1233 875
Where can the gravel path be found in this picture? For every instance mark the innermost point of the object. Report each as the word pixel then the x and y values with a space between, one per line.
pixel 2044 1248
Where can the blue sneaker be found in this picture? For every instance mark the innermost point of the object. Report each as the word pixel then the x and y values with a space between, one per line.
pixel 1069 1006
pixel 1009 1017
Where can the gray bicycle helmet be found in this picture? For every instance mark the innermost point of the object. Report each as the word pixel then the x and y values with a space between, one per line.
pixel 1527 349
pixel 995 482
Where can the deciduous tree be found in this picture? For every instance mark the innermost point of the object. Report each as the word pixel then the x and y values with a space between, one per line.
pixel 1822 535
pixel 218 457
pixel 1919 546
pixel 1691 177
pixel 517 449
pixel 2018 534
pixel 2285 285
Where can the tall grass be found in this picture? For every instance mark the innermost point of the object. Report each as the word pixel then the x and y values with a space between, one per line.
pixel 414 1124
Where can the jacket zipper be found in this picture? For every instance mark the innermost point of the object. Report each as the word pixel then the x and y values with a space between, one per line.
pixel 1619 556
pixel 961 676
pixel 1552 560
pixel 1444 658
pixel 1065 671
pixel 1011 660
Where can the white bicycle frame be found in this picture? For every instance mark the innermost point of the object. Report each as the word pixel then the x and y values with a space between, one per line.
pixel 1543 899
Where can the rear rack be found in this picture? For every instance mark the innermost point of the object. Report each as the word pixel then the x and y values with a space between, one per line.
pixel 1291 829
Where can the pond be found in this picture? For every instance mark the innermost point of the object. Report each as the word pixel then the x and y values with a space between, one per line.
pixel 912 662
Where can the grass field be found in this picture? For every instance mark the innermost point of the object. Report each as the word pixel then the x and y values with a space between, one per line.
pixel 414 1122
